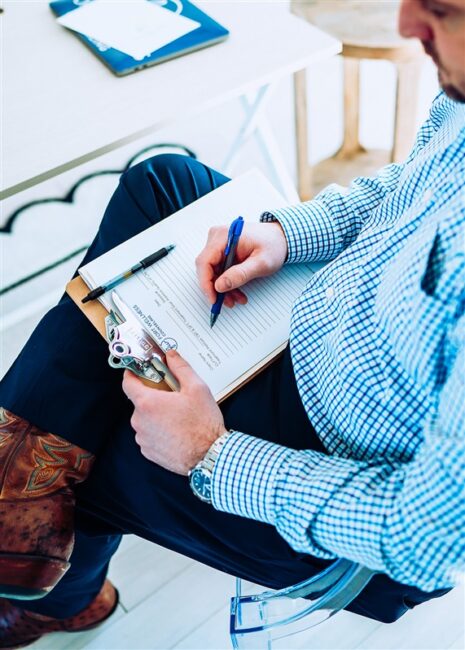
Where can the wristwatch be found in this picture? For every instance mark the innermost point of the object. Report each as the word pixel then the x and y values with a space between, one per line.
pixel 200 476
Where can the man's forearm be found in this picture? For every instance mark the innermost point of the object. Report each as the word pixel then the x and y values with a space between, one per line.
pixel 330 507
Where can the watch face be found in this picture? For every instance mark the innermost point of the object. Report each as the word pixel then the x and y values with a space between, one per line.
pixel 201 484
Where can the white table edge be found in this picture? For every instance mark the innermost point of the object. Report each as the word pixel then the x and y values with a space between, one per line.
pixel 333 49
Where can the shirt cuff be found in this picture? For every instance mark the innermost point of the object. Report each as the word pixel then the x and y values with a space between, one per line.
pixel 310 234
pixel 245 476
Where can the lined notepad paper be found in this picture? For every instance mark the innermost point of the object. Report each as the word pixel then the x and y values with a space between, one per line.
pixel 167 299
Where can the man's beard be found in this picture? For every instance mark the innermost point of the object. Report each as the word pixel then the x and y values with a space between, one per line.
pixel 451 91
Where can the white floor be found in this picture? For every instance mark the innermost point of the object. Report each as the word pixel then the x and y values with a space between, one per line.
pixel 168 601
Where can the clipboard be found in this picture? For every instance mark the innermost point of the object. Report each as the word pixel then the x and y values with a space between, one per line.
pixel 182 312
pixel 96 313
pixel 93 310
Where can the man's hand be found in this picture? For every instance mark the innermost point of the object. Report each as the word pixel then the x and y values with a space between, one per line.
pixel 174 430
pixel 261 251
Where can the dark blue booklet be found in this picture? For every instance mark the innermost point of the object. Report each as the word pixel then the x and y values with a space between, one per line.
pixel 208 33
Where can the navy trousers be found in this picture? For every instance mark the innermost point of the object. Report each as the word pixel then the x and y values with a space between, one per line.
pixel 62 383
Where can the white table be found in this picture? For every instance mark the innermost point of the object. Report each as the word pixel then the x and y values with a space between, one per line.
pixel 62 107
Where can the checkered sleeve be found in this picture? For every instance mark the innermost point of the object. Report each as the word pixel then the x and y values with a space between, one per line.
pixel 404 519
pixel 244 458
pixel 320 229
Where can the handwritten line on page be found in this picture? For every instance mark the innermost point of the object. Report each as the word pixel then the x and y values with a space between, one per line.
pixel 137 28
pixel 167 299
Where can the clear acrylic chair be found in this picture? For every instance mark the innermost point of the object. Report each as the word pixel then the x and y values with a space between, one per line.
pixel 258 619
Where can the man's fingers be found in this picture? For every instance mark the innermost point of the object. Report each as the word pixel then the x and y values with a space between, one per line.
pixel 133 386
pixel 183 371
pixel 136 391
pixel 144 398
pixel 240 274
pixel 239 296
pixel 236 296
pixel 206 277
pixel 205 263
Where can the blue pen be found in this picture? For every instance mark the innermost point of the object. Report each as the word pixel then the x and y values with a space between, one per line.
pixel 234 233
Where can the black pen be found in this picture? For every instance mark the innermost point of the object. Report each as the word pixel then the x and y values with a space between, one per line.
pixel 143 264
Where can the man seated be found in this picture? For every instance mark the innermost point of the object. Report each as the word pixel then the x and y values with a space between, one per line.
pixel 350 445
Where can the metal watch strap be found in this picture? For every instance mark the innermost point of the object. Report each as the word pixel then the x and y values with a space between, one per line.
pixel 209 460
pixel 200 476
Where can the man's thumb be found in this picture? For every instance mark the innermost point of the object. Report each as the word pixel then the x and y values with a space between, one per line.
pixel 238 275
pixel 183 371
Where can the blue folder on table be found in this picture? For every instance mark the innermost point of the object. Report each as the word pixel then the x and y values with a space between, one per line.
pixel 209 33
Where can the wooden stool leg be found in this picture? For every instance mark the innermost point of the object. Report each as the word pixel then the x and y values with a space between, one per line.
pixel 304 173
pixel 408 75
pixel 351 145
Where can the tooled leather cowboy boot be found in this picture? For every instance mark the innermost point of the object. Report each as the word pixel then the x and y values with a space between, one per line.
pixel 18 627
pixel 37 470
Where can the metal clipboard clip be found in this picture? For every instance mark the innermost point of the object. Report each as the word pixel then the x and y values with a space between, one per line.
pixel 132 347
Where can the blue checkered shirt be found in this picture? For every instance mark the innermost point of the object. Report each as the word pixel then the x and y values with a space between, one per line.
pixel 378 349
